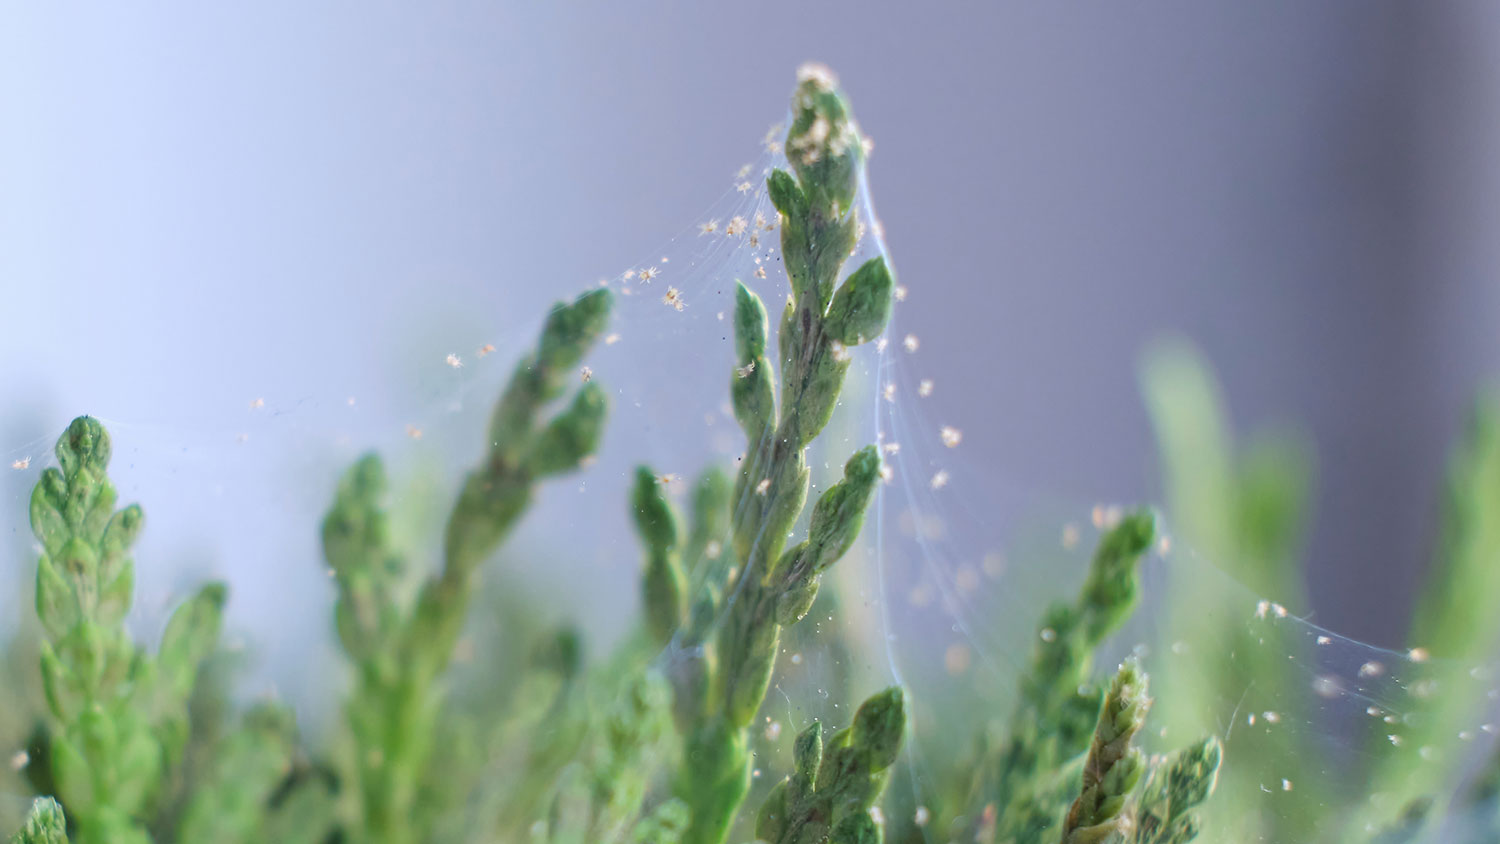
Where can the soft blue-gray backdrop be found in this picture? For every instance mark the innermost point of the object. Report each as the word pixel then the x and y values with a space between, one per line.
pixel 196 199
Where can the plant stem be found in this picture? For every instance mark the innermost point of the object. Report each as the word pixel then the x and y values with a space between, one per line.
pixel 775 586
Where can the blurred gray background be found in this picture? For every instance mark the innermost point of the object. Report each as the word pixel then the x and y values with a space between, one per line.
pixel 196 200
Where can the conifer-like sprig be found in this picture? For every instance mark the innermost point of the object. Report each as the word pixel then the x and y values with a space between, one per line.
pixel 119 716
pixel 664 583
pixel 1058 698
pixel 1113 767
pixel 231 805
pixel 45 824
pixel 401 654
pixel 774 586
pixel 829 795
pixel 1167 812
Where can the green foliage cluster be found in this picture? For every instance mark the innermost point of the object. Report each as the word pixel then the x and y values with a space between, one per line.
pixel 652 745
pixel 653 742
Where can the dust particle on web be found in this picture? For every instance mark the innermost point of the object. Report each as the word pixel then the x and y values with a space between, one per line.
pixel 966 578
pixel 993 564
pixel 1327 686
pixel 920 596
pixel 957 658
pixel 463 651
pixel 1070 536
pixel 769 141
